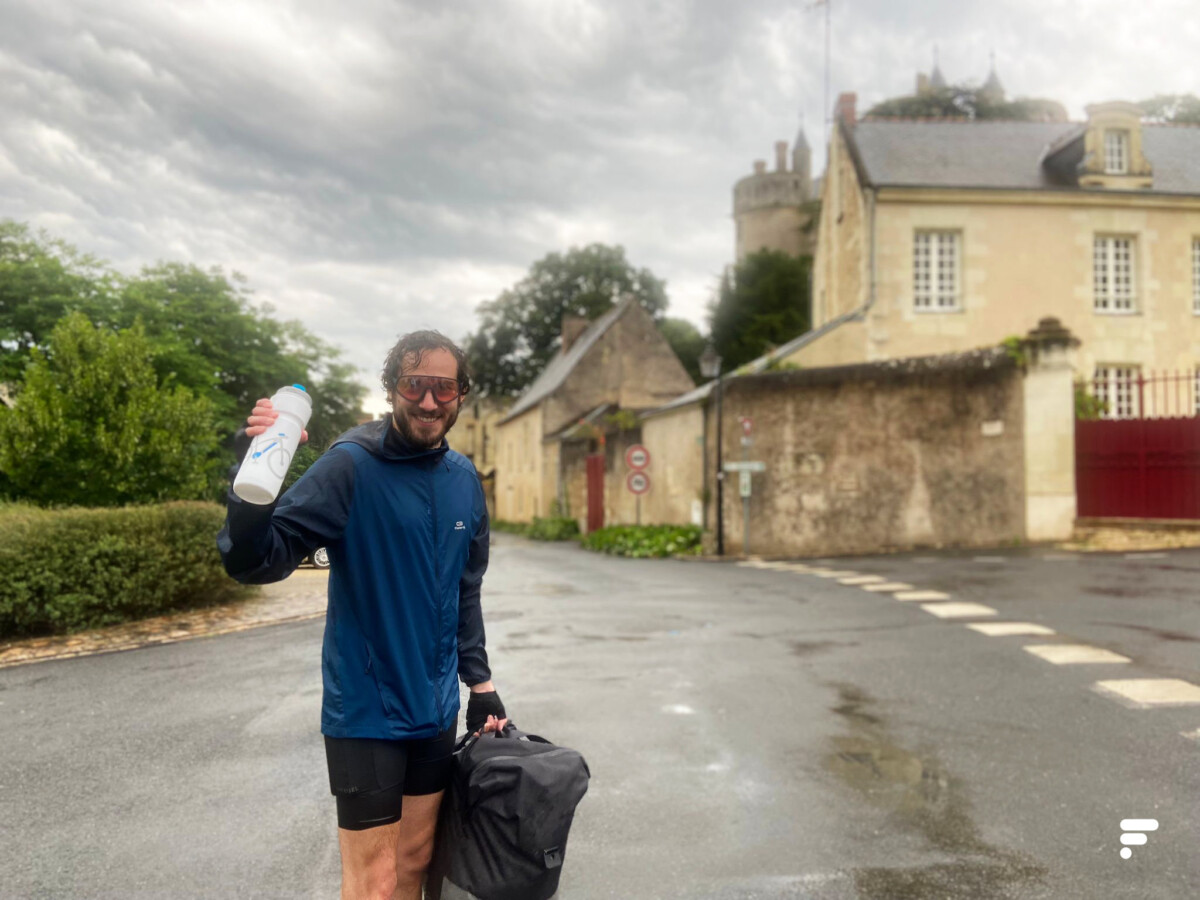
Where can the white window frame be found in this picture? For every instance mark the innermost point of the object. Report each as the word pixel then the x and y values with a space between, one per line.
pixel 1116 151
pixel 937 253
pixel 1196 276
pixel 1114 274
pixel 1116 385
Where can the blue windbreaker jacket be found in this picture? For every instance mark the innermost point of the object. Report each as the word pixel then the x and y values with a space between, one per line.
pixel 407 535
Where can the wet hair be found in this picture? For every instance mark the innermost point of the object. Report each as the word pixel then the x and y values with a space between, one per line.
pixel 411 349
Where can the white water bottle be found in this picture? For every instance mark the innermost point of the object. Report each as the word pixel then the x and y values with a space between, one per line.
pixel 266 463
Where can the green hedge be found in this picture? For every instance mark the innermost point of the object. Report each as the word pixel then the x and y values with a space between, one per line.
pixel 556 528
pixel 645 540
pixel 69 569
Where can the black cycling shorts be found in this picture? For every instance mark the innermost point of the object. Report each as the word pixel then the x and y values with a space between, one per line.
pixel 370 777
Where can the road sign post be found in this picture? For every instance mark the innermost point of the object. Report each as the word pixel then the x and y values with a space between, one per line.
pixel 638 482
pixel 746 469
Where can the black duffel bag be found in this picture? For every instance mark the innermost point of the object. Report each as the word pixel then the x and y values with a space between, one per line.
pixel 502 829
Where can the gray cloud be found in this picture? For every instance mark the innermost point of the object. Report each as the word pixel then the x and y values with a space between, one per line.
pixel 383 165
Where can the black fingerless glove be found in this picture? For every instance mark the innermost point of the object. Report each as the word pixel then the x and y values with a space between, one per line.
pixel 480 706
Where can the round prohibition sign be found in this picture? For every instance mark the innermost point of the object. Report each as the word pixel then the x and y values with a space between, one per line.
pixel 637 457
pixel 637 482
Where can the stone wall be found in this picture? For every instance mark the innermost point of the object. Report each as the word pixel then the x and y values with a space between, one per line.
pixel 902 454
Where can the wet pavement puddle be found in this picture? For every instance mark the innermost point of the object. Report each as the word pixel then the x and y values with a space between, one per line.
pixel 919 795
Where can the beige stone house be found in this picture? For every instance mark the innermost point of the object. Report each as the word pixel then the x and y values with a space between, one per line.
pixel 474 436
pixel 942 236
pixel 619 364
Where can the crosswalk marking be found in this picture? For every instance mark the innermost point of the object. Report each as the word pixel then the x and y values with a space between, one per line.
pixel 1005 629
pixel 1192 735
pixel 1143 693
pixel 862 579
pixel 889 587
pixel 831 573
pixel 957 610
pixel 799 568
pixel 1074 654
pixel 922 595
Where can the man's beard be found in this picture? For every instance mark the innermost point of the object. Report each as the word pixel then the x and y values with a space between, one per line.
pixel 418 437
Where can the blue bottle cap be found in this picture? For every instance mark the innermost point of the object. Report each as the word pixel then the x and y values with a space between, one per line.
pixel 300 386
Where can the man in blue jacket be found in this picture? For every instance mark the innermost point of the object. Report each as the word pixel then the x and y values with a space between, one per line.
pixel 406 527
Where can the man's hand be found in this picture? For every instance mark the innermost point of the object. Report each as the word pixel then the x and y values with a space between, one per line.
pixel 485 711
pixel 263 417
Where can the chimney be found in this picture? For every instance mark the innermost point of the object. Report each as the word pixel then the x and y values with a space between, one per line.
pixel 781 156
pixel 760 166
pixel 572 328
pixel 845 109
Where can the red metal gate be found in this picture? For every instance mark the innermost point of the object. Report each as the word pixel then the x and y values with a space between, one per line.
pixel 1141 458
pixel 595 492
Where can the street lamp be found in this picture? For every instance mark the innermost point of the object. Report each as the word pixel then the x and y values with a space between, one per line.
pixel 710 367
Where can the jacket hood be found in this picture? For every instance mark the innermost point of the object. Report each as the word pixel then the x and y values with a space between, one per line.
pixel 372 437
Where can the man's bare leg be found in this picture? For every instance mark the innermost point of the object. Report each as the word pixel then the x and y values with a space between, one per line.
pixel 414 843
pixel 369 862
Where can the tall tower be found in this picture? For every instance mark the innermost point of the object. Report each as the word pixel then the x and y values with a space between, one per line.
pixel 992 90
pixel 768 209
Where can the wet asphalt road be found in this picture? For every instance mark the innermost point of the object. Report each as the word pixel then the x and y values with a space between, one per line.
pixel 751 734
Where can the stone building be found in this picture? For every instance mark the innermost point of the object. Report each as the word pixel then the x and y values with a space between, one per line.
pixel 939 237
pixel 774 210
pixel 607 371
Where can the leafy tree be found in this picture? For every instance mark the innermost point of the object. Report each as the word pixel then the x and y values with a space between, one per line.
pixel 687 342
pixel 95 426
pixel 521 330
pixel 205 333
pixel 969 102
pixel 41 280
pixel 1181 108
pixel 762 304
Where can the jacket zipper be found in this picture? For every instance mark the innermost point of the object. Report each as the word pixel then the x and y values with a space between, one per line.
pixel 437 580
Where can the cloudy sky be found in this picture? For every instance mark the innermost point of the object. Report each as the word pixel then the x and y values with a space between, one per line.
pixel 383 165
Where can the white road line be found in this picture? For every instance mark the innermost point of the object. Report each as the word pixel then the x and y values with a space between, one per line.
pixel 1058 557
pixel 862 579
pixel 831 573
pixel 889 587
pixel 1145 556
pixel 990 559
pixel 922 595
pixel 1143 693
pixel 1005 629
pixel 1192 735
pixel 1074 654
pixel 750 563
pixel 957 610
pixel 799 568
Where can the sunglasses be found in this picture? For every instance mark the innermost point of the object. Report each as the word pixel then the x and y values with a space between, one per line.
pixel 414 388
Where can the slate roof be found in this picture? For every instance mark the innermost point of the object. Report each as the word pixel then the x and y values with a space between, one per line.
pixel 755 366
pixel 1007 155
pixel 562 364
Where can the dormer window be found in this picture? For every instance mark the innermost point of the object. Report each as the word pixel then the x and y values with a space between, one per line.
pixel 1116 151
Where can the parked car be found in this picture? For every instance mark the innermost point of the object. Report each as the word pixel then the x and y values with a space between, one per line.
pixel 319 558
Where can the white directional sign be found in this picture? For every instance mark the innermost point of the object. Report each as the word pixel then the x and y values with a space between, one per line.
pixel 637 457
pixel 745 467
pixel 638 482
